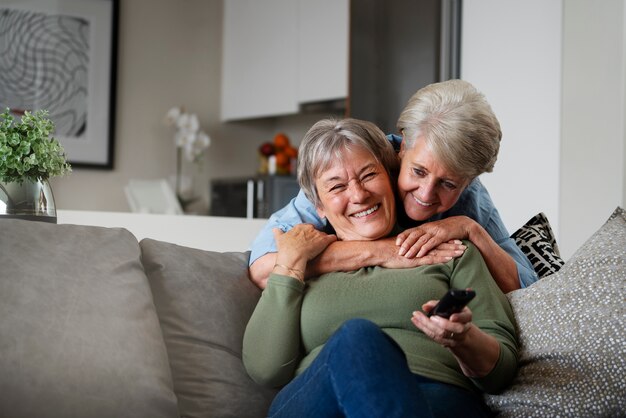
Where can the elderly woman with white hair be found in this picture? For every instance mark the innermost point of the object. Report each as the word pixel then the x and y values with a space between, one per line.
pixel 356 343
pixel 449 137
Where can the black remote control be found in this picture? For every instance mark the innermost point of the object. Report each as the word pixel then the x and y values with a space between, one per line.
pixel 452 302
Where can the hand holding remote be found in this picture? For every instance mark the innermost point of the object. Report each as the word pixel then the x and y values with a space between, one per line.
pixel 452 302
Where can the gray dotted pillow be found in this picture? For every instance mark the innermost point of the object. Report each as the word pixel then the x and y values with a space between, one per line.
pixel 572 334
pixel 537 242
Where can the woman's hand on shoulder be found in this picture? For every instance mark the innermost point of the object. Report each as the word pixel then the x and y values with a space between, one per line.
pixel 300 244
pixel 419 241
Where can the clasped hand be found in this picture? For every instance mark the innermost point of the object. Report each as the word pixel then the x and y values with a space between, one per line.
pixel 422 240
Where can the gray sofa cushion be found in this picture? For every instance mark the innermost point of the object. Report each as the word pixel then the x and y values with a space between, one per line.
pixel 572 334
pixel 79 335
pixel 204 301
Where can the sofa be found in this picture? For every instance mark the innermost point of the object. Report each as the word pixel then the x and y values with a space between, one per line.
pixel 98 322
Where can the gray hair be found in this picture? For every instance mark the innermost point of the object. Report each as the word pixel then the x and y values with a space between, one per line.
pixel 328 139
pixel 458 125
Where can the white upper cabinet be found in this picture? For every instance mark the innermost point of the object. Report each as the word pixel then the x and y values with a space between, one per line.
pixel 259 61
pixel 278 54
pixel 323 50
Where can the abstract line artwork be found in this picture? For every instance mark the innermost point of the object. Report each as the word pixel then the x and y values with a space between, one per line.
pixel 61 56
pixel 44 64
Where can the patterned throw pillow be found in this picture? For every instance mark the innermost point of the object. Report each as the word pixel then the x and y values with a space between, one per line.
pixel 572 334
pixel 537 242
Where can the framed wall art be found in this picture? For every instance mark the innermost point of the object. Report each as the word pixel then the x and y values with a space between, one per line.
pixel 60 56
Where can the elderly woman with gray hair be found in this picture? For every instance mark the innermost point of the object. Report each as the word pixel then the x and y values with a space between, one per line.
pixel 449 137
pixel 355 343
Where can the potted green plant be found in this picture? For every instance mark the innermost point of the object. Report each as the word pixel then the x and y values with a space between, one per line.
pixel 29 156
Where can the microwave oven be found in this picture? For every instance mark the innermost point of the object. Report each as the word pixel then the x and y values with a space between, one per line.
pixel 251 197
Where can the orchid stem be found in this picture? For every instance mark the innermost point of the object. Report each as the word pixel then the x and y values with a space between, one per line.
pixel 179 156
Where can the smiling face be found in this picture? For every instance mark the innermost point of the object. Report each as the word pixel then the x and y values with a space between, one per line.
pixel 356 196
pixel 426 188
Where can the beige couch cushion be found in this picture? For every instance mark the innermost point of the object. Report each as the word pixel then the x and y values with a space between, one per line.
pixel 204 300
pixel 79 335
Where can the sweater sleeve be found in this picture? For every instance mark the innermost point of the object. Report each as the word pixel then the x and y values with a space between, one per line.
pixel 492 313
pixel 476 203
pixel 271 343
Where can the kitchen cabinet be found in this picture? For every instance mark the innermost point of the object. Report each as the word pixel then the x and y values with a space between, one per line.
pixel 249 197
pixel 281 54
pixel 323 51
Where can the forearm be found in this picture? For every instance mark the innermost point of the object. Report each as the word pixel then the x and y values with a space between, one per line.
pixel 259 271
pixel 349 256
pixel 492 326
pixel 339 256
pixel 500 264
pixel 353 255
pixel 477 353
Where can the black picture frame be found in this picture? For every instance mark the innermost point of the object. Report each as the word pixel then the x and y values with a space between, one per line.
pixel 61 56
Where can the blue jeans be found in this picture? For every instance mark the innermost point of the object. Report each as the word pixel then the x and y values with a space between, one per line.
pixel 362 372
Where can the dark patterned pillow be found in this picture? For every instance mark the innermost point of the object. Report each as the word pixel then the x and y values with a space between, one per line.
pixel 537 242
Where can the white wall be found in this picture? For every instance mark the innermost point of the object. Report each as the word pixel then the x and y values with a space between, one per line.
pixel 553 71
pixel 592 145
pixel 511 51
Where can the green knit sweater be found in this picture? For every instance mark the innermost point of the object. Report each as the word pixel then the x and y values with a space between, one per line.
pixel 292 321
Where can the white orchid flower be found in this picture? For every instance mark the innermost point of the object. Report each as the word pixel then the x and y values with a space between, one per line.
pixel 181 121
pixel 203 140
pixel 188 136
pixel 188 122
pixel 183 138
pixel 171 117
pixel 195 145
